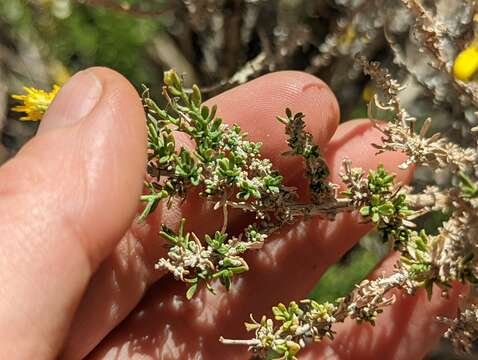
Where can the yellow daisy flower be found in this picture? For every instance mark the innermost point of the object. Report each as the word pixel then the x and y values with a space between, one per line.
pixel 35 102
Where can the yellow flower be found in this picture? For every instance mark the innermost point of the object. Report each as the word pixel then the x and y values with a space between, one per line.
pixel 466 63
pixel 35 102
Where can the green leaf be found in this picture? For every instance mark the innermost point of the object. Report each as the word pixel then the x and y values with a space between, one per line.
pixel 365 211
pixel 191 291
pixel 375 217
pixel 196 96
pixel 226 281
pixel 251 326
pixel 386 209
pixel 152 201
pixel 172 79
pixel 293 347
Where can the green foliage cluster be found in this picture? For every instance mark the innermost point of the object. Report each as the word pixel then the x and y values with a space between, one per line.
pixel 93 35
pixel 226 169
pixel 219 250
pixel 301 144
pixel 223 163
pixel 285 341
pixel 386 208
pixel 82 35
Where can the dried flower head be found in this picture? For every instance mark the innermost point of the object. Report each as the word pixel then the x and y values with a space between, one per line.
pixel 463 330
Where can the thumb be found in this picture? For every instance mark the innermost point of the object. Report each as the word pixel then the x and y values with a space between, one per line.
pixel 65 201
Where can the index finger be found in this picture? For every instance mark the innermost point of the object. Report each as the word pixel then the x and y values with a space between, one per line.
pixel 255 105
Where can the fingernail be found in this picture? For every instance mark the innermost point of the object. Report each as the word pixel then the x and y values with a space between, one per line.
pixel 74 101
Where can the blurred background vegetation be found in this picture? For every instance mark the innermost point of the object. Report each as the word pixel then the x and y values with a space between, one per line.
pixel 44 42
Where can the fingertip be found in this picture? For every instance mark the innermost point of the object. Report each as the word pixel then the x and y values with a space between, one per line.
pixel 353 140
pixel 121 99
pixel 83 91
pixel 256 104
pixel 95 160
pixel 303 92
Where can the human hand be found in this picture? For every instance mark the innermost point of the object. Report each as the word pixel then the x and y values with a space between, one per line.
pixel 75 263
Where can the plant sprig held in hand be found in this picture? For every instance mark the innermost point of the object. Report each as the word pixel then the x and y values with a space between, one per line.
pixel 229 171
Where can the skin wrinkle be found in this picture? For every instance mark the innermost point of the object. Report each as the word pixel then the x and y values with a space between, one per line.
pixel 277 247
pixel 92 163
pixel 18 276
pixel 81 193
pixel 148 260
pixel 315 85
pixel 217 306
pixel 19 184
pixel 42 235
pixel 105 302
pixel 80 236
pixel 42 177
pixel 138 255
pixel 129 261
pixel 19 248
